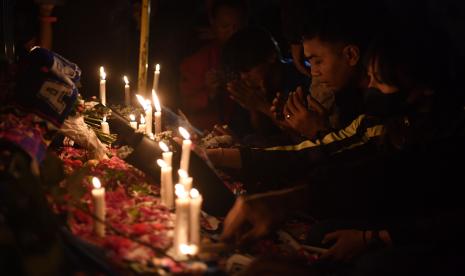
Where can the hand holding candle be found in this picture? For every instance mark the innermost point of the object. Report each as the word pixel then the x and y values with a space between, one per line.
pixel 127 92
pixel 98 199
pixel 186 149
pixel 103 95
pixel 157 105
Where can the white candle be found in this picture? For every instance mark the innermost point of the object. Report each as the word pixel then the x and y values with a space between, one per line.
pixel 181 227
pixel 156 77
pixel 186 149
pixel 105 126
pixel 166 185
pixel 185 180
pixel 146 105
pixel 142 124
pixel 167 154
pixel 103 93
pixel 149 118
pixel 133 122
pixel 127 92
pixel 157 105
pixel 195 207
pixel 98 199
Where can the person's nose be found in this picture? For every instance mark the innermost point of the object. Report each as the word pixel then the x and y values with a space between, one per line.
pixel 315 71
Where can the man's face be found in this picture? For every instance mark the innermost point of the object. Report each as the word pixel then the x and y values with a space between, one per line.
pixel 226 22
pixel 330 63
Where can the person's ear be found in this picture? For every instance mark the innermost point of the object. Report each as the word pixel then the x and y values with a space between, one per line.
pixel 351 54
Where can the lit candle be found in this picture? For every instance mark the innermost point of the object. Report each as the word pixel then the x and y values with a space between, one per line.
pixel 156 77
pixel 157 105
pixel 142 124
pixel 127 96
pixel 188 249
pixel 166 190
pixel 195 207
pixel 98 199
pixel 167 154
pixel 149 117
pixel 185 180
pixel 146 105
pixel 133 122
pixel 103 93
pixel 181 230
pixel 186 149
pixel 105 126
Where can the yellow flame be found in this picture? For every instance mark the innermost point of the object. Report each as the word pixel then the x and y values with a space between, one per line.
pixel 125 79
pixel 184 133
pixel 163 146
pixel 132 117
pixel 188 249
pixel 194 193
pixel 96 183
pixel 104 118
pixel 157 68
pixel 103 75
pixel 183 174
pixel 161 163
pixel 142 101
pixel 156 102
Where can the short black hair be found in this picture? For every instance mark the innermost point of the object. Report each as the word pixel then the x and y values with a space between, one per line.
pixel 248 48
pixel 239 5
pixel 348 22
pixel 411 55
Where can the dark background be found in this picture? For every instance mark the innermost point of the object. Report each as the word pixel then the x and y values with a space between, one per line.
pixel 105 32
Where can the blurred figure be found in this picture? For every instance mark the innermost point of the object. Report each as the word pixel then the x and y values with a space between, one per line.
pixel 202 97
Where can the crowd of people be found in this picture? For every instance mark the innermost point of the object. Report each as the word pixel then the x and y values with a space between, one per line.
pixel 362 128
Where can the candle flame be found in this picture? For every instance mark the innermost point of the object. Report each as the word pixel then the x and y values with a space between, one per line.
pixel 162 163
pixel 142 101
pixel 103 75
pixel 188 249
pixel 96 183
pixel 180 191
pixel 125 79
pixel 104 118
pixel 157 67
pixel 163 146
pixel 156 102
pixel 183 174
pixel 132 117
pixel 194 193
pixel 184 133
pixel 142 119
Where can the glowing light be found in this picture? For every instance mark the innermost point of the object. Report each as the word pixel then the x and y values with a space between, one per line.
pixel 184 133
pixel 132 117
pixel 162 163
pixel 126 81
pixel 96 183
pixel 156 102
pixel 103 75
pixel 163 146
